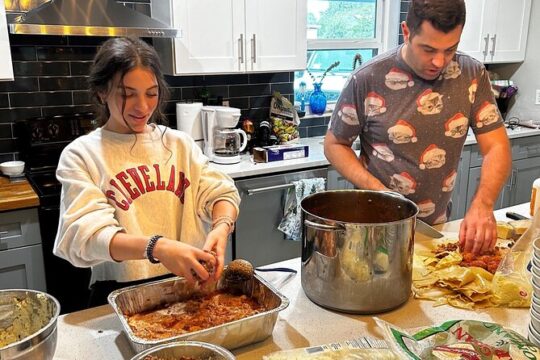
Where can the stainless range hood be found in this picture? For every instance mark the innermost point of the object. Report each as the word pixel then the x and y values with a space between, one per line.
pixel 88 18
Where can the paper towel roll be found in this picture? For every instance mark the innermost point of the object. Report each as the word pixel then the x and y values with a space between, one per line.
pixel 188 119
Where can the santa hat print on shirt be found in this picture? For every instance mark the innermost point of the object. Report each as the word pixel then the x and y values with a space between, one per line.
pixel 383 152
pixel 449 182
pixel 348 114
pixel 403 183
pixel 374 104
pixel 429 102
pixel 426 208
pixel 432 158
pixel 488 114
pixel 472 90
pixel 451 71
pixel 456 126
pixel 397 79
pixel 402 132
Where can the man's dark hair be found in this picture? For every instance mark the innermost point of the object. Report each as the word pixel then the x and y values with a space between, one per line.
pixel 444 15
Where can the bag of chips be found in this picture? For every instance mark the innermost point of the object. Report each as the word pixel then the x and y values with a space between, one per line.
pixel 285 120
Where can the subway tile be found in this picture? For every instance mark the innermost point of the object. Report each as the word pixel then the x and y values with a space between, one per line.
pixel 175 94
pixel 7 157
pixel 20 84
pixel 80 67
pixel 260 101
pixel 309 122
pixel 14 114
pixel 303 132
pixel 7 145
pixel 43 68
pixel 57 110
pixel 269 78
pixel 40 98
pixel 5 131
pixel 284 89
pixel 63 83
pixel 259 113
pixel 81 97
pixel 4 101
pixel 23 53
pixel 40 40
pixel 180 81
pixel 249 90
pixel 193 93
pixel 316 131
pixel 66 53
pixel 232 79
pixel 170 107
pixel 240 103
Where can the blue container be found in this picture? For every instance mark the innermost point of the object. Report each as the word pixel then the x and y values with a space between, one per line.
pixel 317 100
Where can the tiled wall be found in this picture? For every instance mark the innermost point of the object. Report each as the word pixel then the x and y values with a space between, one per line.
pixel 51 73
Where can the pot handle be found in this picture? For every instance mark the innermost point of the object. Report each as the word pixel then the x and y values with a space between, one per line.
pixel 323 226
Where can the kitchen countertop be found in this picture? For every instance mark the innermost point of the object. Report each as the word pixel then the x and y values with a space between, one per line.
pixel 96 333
pixel 16 194
pixel 247 167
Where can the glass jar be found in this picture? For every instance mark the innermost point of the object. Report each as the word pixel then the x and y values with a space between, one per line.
pixel 317 100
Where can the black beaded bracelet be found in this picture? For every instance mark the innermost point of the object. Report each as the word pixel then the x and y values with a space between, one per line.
pixel 150 249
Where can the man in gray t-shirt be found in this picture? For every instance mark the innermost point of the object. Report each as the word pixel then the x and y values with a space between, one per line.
pixel 412 108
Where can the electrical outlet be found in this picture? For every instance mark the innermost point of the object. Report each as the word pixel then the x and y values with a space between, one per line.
pixel 537 99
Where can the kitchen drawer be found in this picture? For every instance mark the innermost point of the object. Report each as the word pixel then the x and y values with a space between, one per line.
pixel 525 147
pixel 22 268
pixel 19 228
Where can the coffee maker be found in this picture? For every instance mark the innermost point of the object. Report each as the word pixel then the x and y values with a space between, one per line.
pixel 222 142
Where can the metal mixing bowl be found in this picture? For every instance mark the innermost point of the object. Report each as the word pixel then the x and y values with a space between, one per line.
pixel 192 349
pixel 40 345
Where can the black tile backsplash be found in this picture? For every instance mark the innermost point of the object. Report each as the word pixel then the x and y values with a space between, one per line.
pixel 51 74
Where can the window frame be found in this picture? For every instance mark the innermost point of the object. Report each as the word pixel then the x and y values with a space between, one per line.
pixel 386 35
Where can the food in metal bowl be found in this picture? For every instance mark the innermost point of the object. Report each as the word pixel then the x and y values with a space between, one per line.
pixel 185 350
pixel 28 324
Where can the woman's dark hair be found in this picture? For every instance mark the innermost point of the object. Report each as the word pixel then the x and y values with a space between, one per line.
pixel 120 55
pixel 444 15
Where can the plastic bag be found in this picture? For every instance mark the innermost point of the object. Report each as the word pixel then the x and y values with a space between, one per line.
pixel 511 285
pixel 285 120
pixel 459 339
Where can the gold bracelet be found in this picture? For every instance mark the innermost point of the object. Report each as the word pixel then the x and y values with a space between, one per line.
pixel 224 219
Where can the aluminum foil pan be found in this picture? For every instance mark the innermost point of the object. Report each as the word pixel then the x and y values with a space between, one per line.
pixel 191 349
pixel 231 335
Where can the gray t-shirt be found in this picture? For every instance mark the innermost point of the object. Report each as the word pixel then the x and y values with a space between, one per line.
pixel 412 130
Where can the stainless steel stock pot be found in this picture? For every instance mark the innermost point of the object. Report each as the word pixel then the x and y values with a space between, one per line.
pixel 357 249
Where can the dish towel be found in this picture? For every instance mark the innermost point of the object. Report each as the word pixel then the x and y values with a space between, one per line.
pixel 290 224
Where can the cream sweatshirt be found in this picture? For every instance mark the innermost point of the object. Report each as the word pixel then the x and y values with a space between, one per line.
pixel 144 184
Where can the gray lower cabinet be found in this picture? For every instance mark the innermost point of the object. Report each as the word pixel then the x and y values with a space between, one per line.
pixel 459 195
pixel 21 254
pixel 336 181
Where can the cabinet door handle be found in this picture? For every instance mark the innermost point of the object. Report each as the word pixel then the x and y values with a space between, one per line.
pixel 253 51
pixel 240 51
pixel 486 39
pixel 493 42
pixel 269 188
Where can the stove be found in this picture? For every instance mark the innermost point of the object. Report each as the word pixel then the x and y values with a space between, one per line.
pixel 41 141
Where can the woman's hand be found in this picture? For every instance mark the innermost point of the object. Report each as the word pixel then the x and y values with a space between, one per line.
pixel 216 241
pixel 181 259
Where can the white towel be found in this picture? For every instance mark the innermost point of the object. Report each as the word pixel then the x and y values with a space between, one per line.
pixel 291 225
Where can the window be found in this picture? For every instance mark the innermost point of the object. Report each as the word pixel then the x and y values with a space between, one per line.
pixel 339 30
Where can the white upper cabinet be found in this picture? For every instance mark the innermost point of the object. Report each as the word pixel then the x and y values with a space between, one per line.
pixel 496 30
pixel 6 68
pixel 235 36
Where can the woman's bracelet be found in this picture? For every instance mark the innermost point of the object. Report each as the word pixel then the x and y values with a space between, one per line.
pixel 149 252
pixel 224 219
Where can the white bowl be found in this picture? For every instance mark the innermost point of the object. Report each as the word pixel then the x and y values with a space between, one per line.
pixel 12 168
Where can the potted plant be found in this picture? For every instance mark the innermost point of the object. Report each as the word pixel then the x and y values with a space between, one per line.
pixel 317 99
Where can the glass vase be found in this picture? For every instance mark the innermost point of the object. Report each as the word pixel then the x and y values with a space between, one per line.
pixel 317 100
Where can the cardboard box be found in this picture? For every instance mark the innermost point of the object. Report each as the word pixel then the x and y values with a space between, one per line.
pixel 280 152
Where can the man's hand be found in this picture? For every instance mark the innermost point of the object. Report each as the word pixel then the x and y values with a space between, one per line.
pixel 478 231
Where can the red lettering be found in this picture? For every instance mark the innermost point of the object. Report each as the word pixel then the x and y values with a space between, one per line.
pixel 124 205
pixel 135 176
pixel 183 184
pixel 133 193
pixel 150 186
pixel 113 183
pixel 460 334
pixel 160 184
pixel 170 186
